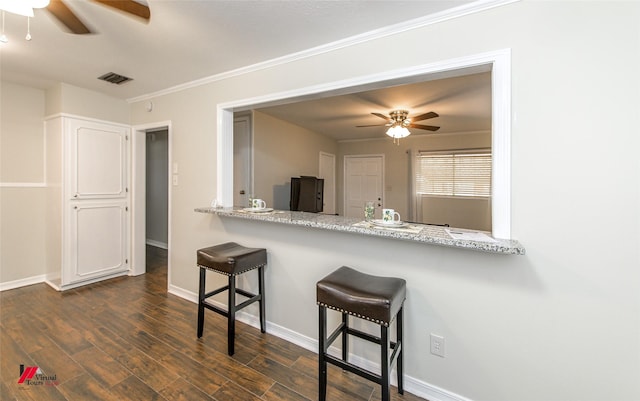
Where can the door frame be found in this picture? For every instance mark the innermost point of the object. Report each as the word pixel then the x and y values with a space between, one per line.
pixel 248 117
pixel 331 182
pixel 138 196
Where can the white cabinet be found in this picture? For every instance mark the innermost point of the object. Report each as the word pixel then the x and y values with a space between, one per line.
pixel 88 201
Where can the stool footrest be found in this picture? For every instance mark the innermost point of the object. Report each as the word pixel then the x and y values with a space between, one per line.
pixel 215 308
pixel 215 292
pixel 224 312
pixel 367 336
pixel 334 335
pixel 357 333
pixel 353 369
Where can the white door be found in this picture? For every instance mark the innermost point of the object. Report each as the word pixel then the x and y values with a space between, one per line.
pixel 363 182
pixel 241 160
pixel 328 173
pixel 97 200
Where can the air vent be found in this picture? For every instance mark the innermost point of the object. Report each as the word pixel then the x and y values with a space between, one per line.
pixel 115 78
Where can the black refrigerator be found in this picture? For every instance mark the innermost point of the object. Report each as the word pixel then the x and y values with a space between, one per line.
pixel 307 194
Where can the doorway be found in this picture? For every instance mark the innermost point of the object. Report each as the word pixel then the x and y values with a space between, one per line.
pixel 242 160
pixel 157 188
pixel 152 175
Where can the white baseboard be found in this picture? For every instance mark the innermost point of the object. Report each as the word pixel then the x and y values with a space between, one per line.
pixel 157 244
pixel 411 384
pixel 10 285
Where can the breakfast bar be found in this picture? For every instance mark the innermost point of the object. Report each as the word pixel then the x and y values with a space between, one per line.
pixel 421 233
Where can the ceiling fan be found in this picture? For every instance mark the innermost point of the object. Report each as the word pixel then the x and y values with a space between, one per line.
pixel 69 19
pixel 400 118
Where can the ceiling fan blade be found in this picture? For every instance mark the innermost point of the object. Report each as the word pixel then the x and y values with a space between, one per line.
pixel 426 127
pixel 128 6
pixel 374 125
pixel 381 116
pixel 64 14
pixel 424 116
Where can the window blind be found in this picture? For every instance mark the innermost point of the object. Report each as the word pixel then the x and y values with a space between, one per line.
pixel 454 174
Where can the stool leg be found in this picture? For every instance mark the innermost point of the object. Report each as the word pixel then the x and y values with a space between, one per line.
pixel 345 339
pixel 400 360
pixel 384 362
pixel 231 320
pixel 322 349
pixel 263 322
pixel 201 291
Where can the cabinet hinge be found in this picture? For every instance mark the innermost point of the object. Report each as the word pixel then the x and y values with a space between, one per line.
pixel 126 209
pixel 126 190
pixel 126 261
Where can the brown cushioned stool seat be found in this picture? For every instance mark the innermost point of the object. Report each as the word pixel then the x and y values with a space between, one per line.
pixel 377 299
pixel 230 259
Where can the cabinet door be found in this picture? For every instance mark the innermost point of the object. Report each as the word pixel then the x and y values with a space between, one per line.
pixel 98 240
pixel 98 160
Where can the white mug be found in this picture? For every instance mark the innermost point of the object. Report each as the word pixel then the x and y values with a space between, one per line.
pixel 258 204
pixel 389 216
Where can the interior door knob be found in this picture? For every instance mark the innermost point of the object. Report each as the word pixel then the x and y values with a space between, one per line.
pixel 242 192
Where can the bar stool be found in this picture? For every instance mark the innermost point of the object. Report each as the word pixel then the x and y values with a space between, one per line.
pixel 230 259
pixel 377 299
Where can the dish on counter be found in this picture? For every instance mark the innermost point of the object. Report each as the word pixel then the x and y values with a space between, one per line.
pixel 394 224
pixel 258 209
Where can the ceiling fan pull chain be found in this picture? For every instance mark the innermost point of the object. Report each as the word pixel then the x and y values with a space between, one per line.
pixel 3 38
pixel 28 37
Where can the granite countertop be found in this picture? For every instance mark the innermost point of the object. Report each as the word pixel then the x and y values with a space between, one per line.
pixel 428 234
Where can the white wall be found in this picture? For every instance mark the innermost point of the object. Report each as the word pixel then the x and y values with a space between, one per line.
pixel 283 150
pixel 561 322
pixel 22 179
pixel 22 170
pixel 65 98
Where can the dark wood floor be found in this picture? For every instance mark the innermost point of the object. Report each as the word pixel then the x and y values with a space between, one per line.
pixel 127 339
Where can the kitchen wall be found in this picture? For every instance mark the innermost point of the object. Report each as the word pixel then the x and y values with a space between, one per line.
pixel 559 323
pixel 281 151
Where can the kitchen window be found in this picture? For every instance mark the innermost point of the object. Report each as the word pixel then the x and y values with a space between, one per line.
pixel 459 174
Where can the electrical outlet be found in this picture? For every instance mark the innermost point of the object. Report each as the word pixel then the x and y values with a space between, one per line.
pixel 437 345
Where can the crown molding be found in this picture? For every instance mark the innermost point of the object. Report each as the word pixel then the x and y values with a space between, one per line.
pixel 456 12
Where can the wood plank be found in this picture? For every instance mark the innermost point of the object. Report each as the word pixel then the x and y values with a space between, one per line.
pixel 147 369
pixel 104 369
pixel 85 387
pixel 194 372
pixel 133 388
pixel 181 390
pixel 278 392
pixel 231 391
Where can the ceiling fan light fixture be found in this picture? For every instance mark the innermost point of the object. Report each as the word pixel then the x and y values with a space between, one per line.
pixel 39 3
pixel 398 131
pixel 17 7
pixel 22 7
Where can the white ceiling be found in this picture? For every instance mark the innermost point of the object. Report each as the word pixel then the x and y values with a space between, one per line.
pixel 188 40
pixel 463 104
